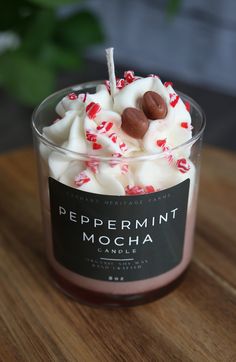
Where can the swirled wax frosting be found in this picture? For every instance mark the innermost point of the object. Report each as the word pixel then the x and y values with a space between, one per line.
pixel 103 131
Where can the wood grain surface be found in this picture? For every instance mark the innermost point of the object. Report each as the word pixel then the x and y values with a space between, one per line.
pixel 196 322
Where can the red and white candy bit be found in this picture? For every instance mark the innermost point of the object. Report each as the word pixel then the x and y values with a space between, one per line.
pixel 129 76
pixel 92 109
pixel 82 97
pixel 124 168
pixel 113 137
pixel 170 158
pixel 72 96
pixel 139 190
pixel 183 165
pixel 104 127
pixel 174 98
pixel 166 84
pixel 148 189
pixel 187 105
pixel 161 143
pixel 96 146
pixel 92 165
pixel 91 137
pixel 153 76
pixel 168 155
pixel 123 147
pixel 120 83
pixel 165 148
pixel 134 190
pixel 82 179
pixel 184 125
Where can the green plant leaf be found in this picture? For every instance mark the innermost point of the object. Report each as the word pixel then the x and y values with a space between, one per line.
pixel 40 30
pixel 56 57
pixel 15 14
pixel 53 3
pixel 79 31
pixel 28 80
pixel 173 7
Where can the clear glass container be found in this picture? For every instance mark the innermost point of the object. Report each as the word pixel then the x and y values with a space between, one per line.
pixel 104 284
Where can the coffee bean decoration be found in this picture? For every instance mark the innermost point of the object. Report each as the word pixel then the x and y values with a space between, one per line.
pixel 134 122
pixel 154 105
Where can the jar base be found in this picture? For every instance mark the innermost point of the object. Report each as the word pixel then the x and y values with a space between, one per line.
pixel 95 299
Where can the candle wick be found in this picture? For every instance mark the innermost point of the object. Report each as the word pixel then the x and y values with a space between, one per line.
pixel 111 71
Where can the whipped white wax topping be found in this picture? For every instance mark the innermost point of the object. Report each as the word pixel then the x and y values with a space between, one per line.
pixel 91 124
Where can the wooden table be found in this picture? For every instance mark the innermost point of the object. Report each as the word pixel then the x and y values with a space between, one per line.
pixel 196 322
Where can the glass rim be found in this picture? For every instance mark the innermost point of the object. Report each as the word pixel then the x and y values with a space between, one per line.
pixel 146 156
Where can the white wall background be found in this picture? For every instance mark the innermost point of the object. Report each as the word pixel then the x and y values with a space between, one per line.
pixel 198 45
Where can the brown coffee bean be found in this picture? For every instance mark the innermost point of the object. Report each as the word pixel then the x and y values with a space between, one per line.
pixel 154 105
pixel 134 122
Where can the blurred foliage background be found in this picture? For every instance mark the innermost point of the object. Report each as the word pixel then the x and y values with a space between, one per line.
pixel 40 38
pixel 38 41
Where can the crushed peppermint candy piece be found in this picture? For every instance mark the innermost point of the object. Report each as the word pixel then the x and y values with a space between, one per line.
pixel 168 155
pixel 170 159
pixel 184 125
pixel 139 190
pixel 161 143
pixel 123 147
pixel 120 83
pixel 96 146
pixel 187 105
pixel 148 189
pixel 134 190
pixel 129 76
pixel 91 137
pixel 113 137
pixel 104 127
pixel 81 179
pixel 72 96
pixel 167 84
pixel 92 109
pixel 92 165
pixel 174 98
pixel 166 148
pixel 124 168
pixel 183 165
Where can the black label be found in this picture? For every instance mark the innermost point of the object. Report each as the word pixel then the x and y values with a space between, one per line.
pixel 118 238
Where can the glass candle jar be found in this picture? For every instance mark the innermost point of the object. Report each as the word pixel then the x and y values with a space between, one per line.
pixel 112 249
